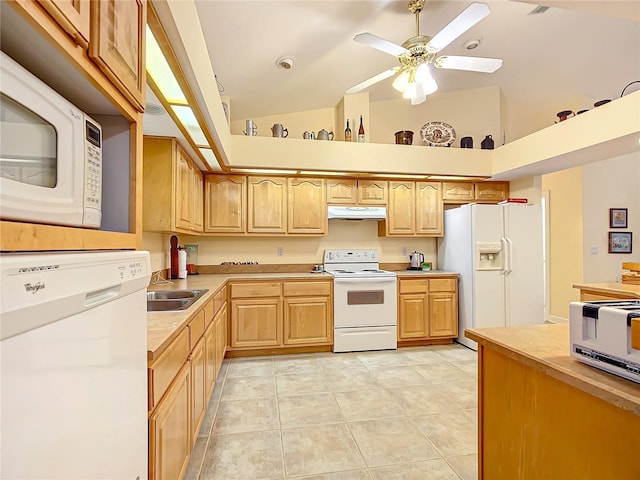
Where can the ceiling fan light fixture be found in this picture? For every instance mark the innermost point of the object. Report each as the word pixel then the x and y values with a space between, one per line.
pixel 401 81
pixel 411 91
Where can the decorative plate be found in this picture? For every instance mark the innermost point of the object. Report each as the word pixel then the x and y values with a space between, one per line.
pixel 438 134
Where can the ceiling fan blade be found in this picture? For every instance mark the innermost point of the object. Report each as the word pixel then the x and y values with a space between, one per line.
pixel 380 43
pixel 373 80
pixel 463 22
pixel 474 64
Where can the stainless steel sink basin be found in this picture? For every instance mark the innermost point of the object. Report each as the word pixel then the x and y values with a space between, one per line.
pixel 172 300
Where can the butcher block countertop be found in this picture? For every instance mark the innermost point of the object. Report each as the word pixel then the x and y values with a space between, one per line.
pixel 163 327
pixel 546 349
pixel 616 289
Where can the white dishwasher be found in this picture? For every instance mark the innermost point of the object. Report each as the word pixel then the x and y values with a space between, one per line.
pixel 73 365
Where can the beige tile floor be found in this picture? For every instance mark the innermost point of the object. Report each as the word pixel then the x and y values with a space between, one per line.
pixel 408 414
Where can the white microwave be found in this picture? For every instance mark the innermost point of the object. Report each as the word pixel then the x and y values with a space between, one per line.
pixel 50 154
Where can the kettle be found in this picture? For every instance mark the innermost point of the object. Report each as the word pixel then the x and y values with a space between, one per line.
pixel 279 131
pixel 416 259
pixel 324 135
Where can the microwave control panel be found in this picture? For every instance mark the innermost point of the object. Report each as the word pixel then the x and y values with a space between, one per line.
pixel 93 173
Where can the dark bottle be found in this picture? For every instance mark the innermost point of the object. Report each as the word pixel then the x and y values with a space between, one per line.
pixel 361 132
pixel 487 143
pixel 174 256
pixel 347 133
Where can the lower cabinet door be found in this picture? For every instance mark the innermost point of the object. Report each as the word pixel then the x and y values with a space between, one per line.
pixel 412 318
pixel 211 341
pixel 256 322
pixel 443 314
pixel 198 388
pixel 307 321
pixel 221 337
pixel 170 430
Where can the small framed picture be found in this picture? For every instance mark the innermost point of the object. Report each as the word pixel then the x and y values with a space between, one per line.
pixel 620 242
pixel 617 218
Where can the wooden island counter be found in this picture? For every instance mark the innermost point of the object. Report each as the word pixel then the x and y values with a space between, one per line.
pixel 544 415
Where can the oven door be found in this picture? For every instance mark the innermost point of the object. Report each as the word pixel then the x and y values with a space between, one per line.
pixel 41 151
pixel 364 302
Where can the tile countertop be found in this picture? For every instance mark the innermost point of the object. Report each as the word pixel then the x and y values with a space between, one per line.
pixel 163 327
pixel 546 348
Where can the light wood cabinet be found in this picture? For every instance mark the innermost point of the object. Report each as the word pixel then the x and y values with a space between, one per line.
pixel 225 204
pixel 170 430
pixel 308 313
pixel 198 388
pixel 117 45
pixel 491 192
pixel 372 192
pixel 342 191
pixel 73 16
pixel 181 381
pixel 427 308
pixel 458 192
pixel 281 314
pixel 415 209
pixel 267 205
pixel 256 322
pixel 429 211
pixel 481 192
pixel 401 216
pixel 172 194
pixel 350 191
pixel 307 212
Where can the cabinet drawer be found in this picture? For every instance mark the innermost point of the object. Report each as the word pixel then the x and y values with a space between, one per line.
pixel 296 289
pixel 458 192
pixel 164 370
pixel 196 327
pixel 239 290
pixel 442 284
pixel 208 312
pixel 418 285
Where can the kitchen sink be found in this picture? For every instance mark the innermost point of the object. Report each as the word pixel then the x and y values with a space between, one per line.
pixel 172 300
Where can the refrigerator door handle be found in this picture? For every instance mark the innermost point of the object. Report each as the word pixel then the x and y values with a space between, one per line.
pixel 505 257
pixel 509 256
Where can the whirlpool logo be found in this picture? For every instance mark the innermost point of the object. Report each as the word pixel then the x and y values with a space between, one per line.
pixel 34 287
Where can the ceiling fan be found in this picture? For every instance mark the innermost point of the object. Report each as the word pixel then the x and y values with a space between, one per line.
pixel 414 79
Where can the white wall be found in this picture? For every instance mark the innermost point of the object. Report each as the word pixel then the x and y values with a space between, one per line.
pixel 475 113
pixel 613 183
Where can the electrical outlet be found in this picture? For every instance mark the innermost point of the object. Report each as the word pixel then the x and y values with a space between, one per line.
pixel 280 251
pixel 404 251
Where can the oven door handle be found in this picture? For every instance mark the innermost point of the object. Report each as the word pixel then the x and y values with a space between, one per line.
pixel 363 280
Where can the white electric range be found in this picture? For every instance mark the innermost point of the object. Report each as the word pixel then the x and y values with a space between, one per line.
pixel 600 336
pixel 364 301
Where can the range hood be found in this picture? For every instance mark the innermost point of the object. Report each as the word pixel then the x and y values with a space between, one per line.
pixel 357 213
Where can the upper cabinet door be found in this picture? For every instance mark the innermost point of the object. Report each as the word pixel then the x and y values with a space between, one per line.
pixel 342 192
pixel 429 210
pixel 307 212
pixel 372 192
pixel 198 199
pixel 402 205
pixel 225 207
pixel 183 191
pixel 73 16
pixel 492 191
pixel 117 45
pixel 267 205
pixel 458 192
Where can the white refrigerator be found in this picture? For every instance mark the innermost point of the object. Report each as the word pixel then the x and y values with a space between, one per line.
pixel 499 252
